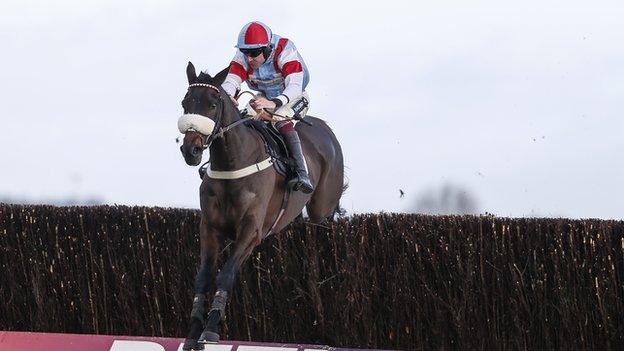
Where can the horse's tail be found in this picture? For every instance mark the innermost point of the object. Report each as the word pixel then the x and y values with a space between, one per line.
pixel 340 211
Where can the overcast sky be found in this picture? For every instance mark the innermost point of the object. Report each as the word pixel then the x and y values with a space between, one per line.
pixel 520 105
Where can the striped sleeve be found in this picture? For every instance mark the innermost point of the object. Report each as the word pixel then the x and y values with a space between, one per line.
pixel 289 63
pixel 236 75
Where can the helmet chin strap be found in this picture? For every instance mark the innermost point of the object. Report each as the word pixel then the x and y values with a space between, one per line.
pixel 267 51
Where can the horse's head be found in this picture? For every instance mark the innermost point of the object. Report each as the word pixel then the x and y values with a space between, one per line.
pixel 203 109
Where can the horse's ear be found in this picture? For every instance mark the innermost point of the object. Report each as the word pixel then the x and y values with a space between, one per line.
pixel 220 77
pixel 190 73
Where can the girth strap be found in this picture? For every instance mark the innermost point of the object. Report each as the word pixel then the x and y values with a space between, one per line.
pixel 240 173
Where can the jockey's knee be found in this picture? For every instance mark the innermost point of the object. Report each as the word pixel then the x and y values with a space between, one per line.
pixel 298 107
pixel 285 127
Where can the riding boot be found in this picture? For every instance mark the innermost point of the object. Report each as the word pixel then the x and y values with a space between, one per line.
pixel 302 181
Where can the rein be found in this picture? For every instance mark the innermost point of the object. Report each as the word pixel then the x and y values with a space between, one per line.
pixel 218 131
pixel 271 112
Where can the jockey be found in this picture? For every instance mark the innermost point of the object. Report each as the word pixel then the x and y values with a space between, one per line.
pixel 272 66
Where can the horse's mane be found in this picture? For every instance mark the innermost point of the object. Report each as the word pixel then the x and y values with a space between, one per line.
pixel 204 78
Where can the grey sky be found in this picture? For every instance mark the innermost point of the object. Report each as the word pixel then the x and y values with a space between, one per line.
pixel 518 103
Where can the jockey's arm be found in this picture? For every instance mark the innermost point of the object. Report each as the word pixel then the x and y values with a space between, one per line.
pixel 231 84
pixel 292 70
pixel 236 75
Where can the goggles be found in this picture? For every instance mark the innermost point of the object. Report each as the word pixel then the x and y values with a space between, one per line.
pixel 252 52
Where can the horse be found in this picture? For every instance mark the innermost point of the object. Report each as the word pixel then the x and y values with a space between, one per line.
pixel 243 198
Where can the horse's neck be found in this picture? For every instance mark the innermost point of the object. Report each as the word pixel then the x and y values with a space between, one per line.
pixel 238 148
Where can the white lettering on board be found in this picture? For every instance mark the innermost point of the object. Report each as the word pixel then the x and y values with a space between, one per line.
pixel 134 345
pixel 140 345
pixel 211 347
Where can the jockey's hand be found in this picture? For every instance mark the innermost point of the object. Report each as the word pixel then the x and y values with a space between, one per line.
pixel 260 102
pixel 263 114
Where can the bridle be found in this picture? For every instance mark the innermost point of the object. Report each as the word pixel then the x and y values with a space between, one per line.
pixel 218 131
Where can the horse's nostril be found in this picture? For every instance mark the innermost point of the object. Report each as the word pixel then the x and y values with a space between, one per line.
pixel 196 150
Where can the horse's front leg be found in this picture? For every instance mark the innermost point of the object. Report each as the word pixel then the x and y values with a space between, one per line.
pixel 204 281
pixel 247 239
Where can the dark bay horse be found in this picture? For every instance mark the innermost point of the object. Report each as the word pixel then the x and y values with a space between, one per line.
pixel 241 197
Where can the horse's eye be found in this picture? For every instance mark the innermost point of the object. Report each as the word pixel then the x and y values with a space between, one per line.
pixel 213 105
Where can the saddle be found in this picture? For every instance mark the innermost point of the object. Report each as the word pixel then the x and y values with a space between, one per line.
pixel 275 147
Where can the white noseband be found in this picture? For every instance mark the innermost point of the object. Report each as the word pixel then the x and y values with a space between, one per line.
pixel 196 122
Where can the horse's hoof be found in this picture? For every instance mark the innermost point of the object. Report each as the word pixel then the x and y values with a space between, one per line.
pixel 209 337
pixel 192 345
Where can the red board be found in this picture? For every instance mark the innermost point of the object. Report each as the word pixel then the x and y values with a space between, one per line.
pixel 17 341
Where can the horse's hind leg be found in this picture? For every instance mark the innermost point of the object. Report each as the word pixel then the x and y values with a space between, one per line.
pixel 247 239
pixel 326 197
pixel 204 280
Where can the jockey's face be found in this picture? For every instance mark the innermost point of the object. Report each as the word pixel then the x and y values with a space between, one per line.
pixel 256 62
pixel 255 57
